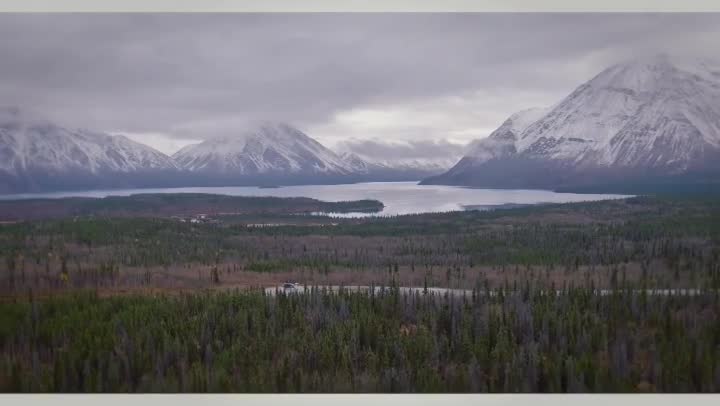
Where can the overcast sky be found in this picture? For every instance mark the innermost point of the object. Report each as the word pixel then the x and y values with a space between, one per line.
pixel 170 79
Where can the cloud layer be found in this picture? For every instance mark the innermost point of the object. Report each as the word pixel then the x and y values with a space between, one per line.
pixel 335 76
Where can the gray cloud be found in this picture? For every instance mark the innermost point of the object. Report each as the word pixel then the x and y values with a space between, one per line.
pixel 438 76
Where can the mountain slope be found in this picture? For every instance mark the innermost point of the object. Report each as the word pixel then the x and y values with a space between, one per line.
pixel 38 155
pixel 647 120
pixel 277 153
pixel 268 149
pixel 419 158
pixel 410 166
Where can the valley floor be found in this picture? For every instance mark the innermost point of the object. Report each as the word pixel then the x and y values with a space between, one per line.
pixel 116 304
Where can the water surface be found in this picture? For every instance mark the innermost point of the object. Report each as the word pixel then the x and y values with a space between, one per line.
pixel 398 197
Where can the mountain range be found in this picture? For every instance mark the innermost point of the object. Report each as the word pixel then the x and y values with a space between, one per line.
pixel 37 155
pixel 420 158
pixel 648 121
pixel 645 121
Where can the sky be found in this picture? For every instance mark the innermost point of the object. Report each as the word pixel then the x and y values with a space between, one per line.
pixel 344 79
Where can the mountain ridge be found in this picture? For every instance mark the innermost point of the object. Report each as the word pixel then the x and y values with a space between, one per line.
pixel 267 148
pixel 423 158
pixel 642 119
pixel 37 155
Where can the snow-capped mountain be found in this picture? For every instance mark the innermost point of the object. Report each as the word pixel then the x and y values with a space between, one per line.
pixel 422 158
pixel 420 165
pixel 356 163
pixel 36 154
pixel 645 119
pixel 267 149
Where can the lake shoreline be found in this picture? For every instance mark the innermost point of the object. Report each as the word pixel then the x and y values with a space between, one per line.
pixel 398 198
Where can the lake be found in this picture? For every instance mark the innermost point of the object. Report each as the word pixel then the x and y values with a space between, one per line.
pixel 398 197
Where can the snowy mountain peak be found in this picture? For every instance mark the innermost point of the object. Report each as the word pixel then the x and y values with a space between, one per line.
pixel 640 74
pixel 656 115
pixel 33 145
pixel 656 74
pixel 653 111
pixel 262 129
pixel 266 148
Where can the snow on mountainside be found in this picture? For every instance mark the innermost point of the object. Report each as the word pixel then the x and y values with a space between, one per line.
pixel 502 142
pixel 36 155
pixel 422 157
pixel 356 163
pixel 648 112
pixel 409 164
pixel 269 148
pixel 31 145
pixel 656 116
